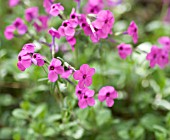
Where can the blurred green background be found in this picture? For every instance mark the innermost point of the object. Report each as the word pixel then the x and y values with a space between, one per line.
pixel 29 111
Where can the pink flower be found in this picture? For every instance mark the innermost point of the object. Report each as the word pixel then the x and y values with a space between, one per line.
pixel 165 41
pixel 38 59
pixel 133 31
pixel 124 50
pixel 29 48
pixel 47 5
pixel 163 58
pixel 24 60
pixel 84 75
pixel 153 56
pixel 42 24
pixel 72 41
pixel 74 18
pixel 54 69
pixel 66 29
pixel 56 9
pixel 13 3
pixel 67 72
pixel 108 93
pixel 9 32
pixel 31 13
pixel 85 97
pixel 114 2
pixel 54 33
pixel 20 26
pixel 104 21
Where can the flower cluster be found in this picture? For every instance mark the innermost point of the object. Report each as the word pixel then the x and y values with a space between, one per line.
pixel 159 56
pixel 27 57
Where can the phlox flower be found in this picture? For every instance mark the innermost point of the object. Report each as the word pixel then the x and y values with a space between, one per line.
pixel 54 33
pixel 124 50
pixel 42 23
pixel 163 58
pixel 29 48
pixel 24 60
pixel 9 32
pixel 165 41
pixel 31 13
pixel 55 69
pixel 74 18
pixel 84 76
pixel 133 31
pixel 56 9
pixel 20 26
pixel 47 5
pixel 108 93
pixel 37 59
pixel 85 97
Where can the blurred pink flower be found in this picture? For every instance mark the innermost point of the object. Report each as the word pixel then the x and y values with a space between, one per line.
pixel 72 41
pixel 42 23
pixel 108 93
pixel 84 75
pixel 56 9
pixel 163 58
pixel 13 3
pixel 54 33
pixel 29 48
pixel 9 32
pixel 165 41
pixel 85 97
pixel 20 26
pixel 133 31
pixel 31 13
pixel 47 5
pixel 24 60
pixel 74 18
pixel 38 59
pixel 67 72
pixel 124 50
pixel 54 69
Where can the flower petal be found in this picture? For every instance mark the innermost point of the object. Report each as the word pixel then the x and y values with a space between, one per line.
pixel 91 101
pixel 52 76
pixel 109 102
pixel 88 81
pixel 82 103
pixel 77 75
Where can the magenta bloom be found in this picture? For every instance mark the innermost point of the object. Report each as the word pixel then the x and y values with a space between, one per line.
pixel 9 32
pixel 29 48
pixel 153 56
pixel 56 9
pixel 66 29
pixel 13 3
pixel 104 21
pixel 107 93
pixel 133 31
pixel 85 97
pixel 165 41
pixel 47 5
pixel 71 41
pixel 20 26
pixel 54 69
pixel 67 72
pixel 24 60
pixel 163 58
pixel 42 24
pixel 54 33
pixel 31 13
pixel 124 50
pixel 38 59
pixel 74 20
pixel 84 75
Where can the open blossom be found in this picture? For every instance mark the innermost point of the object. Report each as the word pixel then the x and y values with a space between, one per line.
pixel 165 41
pixel 20 26
pixel 133 31
pixel 54 33
pixel 9 32
pixel 124 50
pixel 56 9
pixel 24 60
pixel 38 59
pixel 104 21
pixel 54 69
pixel 47 5
pixel 66 29
pixel 42 23
pixel 31 13
pixel 85 97
pixel 108 93
pixel 163 58
pixel 84 75
pixel 13 3
pixel 74 18
pixel 153 56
